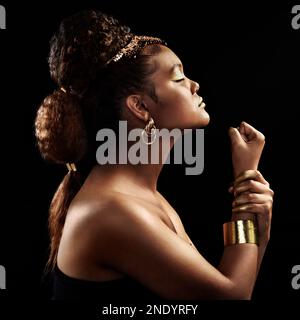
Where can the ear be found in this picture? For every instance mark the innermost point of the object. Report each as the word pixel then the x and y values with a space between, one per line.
pixel 137 107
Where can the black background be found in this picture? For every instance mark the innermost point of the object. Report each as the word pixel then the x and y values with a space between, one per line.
pixel 246 58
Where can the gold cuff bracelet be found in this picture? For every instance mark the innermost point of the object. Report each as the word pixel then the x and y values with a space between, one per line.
pixel 240 231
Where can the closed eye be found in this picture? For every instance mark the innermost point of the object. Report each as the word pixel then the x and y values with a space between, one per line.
pixel 179 80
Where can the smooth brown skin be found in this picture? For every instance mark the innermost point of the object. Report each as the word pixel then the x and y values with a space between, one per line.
pixel 119 224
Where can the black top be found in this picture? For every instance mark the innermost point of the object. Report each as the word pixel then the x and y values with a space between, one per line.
pixel 123 289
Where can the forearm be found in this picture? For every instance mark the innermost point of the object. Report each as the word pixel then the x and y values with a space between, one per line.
pixel 239 265
pixel 262 240
pixel 241 262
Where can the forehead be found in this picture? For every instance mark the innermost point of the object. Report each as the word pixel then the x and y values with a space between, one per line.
pixel 165 60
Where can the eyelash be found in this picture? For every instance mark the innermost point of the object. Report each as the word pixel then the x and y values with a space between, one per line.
pixel 179 80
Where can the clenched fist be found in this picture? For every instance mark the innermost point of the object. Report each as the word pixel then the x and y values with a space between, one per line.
pixel 247 145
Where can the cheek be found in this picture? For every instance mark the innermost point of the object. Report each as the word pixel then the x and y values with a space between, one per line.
pixel 175 106
pixel 174 112
pixel 178 97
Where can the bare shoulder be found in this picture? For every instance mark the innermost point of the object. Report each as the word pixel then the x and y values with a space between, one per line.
pixel 109 212
pixel 122 211
pixel 117 222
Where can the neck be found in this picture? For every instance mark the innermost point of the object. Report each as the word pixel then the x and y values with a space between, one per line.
pixel 143 176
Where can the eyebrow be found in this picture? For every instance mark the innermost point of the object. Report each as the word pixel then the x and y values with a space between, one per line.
pixel 176 65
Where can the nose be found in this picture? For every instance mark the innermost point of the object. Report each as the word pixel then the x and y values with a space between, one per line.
pixel 194 87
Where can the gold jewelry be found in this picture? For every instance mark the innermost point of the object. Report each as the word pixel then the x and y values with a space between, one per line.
pixel 136 44
pixel 71 167
pixel 240 231
pixel 149 131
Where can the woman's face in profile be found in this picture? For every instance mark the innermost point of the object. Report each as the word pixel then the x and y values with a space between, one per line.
pixel 179 105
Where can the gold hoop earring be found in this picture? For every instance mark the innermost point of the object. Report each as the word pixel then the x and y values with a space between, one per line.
pixel 150 132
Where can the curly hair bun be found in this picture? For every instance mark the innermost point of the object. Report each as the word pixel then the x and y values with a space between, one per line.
pixel 59 129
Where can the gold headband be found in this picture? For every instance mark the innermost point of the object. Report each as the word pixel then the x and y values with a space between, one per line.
pixel 136 44
pixel 71 167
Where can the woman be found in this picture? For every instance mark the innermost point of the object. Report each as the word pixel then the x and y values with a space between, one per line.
pixel 113 235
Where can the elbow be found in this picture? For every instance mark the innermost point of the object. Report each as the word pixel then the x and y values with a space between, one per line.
pixel 228 291
pixel 240 296
pixel 237 292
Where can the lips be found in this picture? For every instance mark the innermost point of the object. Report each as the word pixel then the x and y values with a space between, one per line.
pixel 201 104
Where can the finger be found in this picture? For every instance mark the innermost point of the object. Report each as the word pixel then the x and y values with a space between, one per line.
pixel 262 179
pixel 242 131
pixel 251 174
pixel 249 132
pixel 256 208
pixel 235 136
pixel 251 186
pixel 252 198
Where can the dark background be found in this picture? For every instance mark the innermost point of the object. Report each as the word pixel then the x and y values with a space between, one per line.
pixel 246 58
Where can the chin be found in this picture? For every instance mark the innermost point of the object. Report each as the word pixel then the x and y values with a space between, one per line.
pixel 204 120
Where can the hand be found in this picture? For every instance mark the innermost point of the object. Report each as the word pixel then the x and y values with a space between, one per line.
pixel 247 144
pixel 253 197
